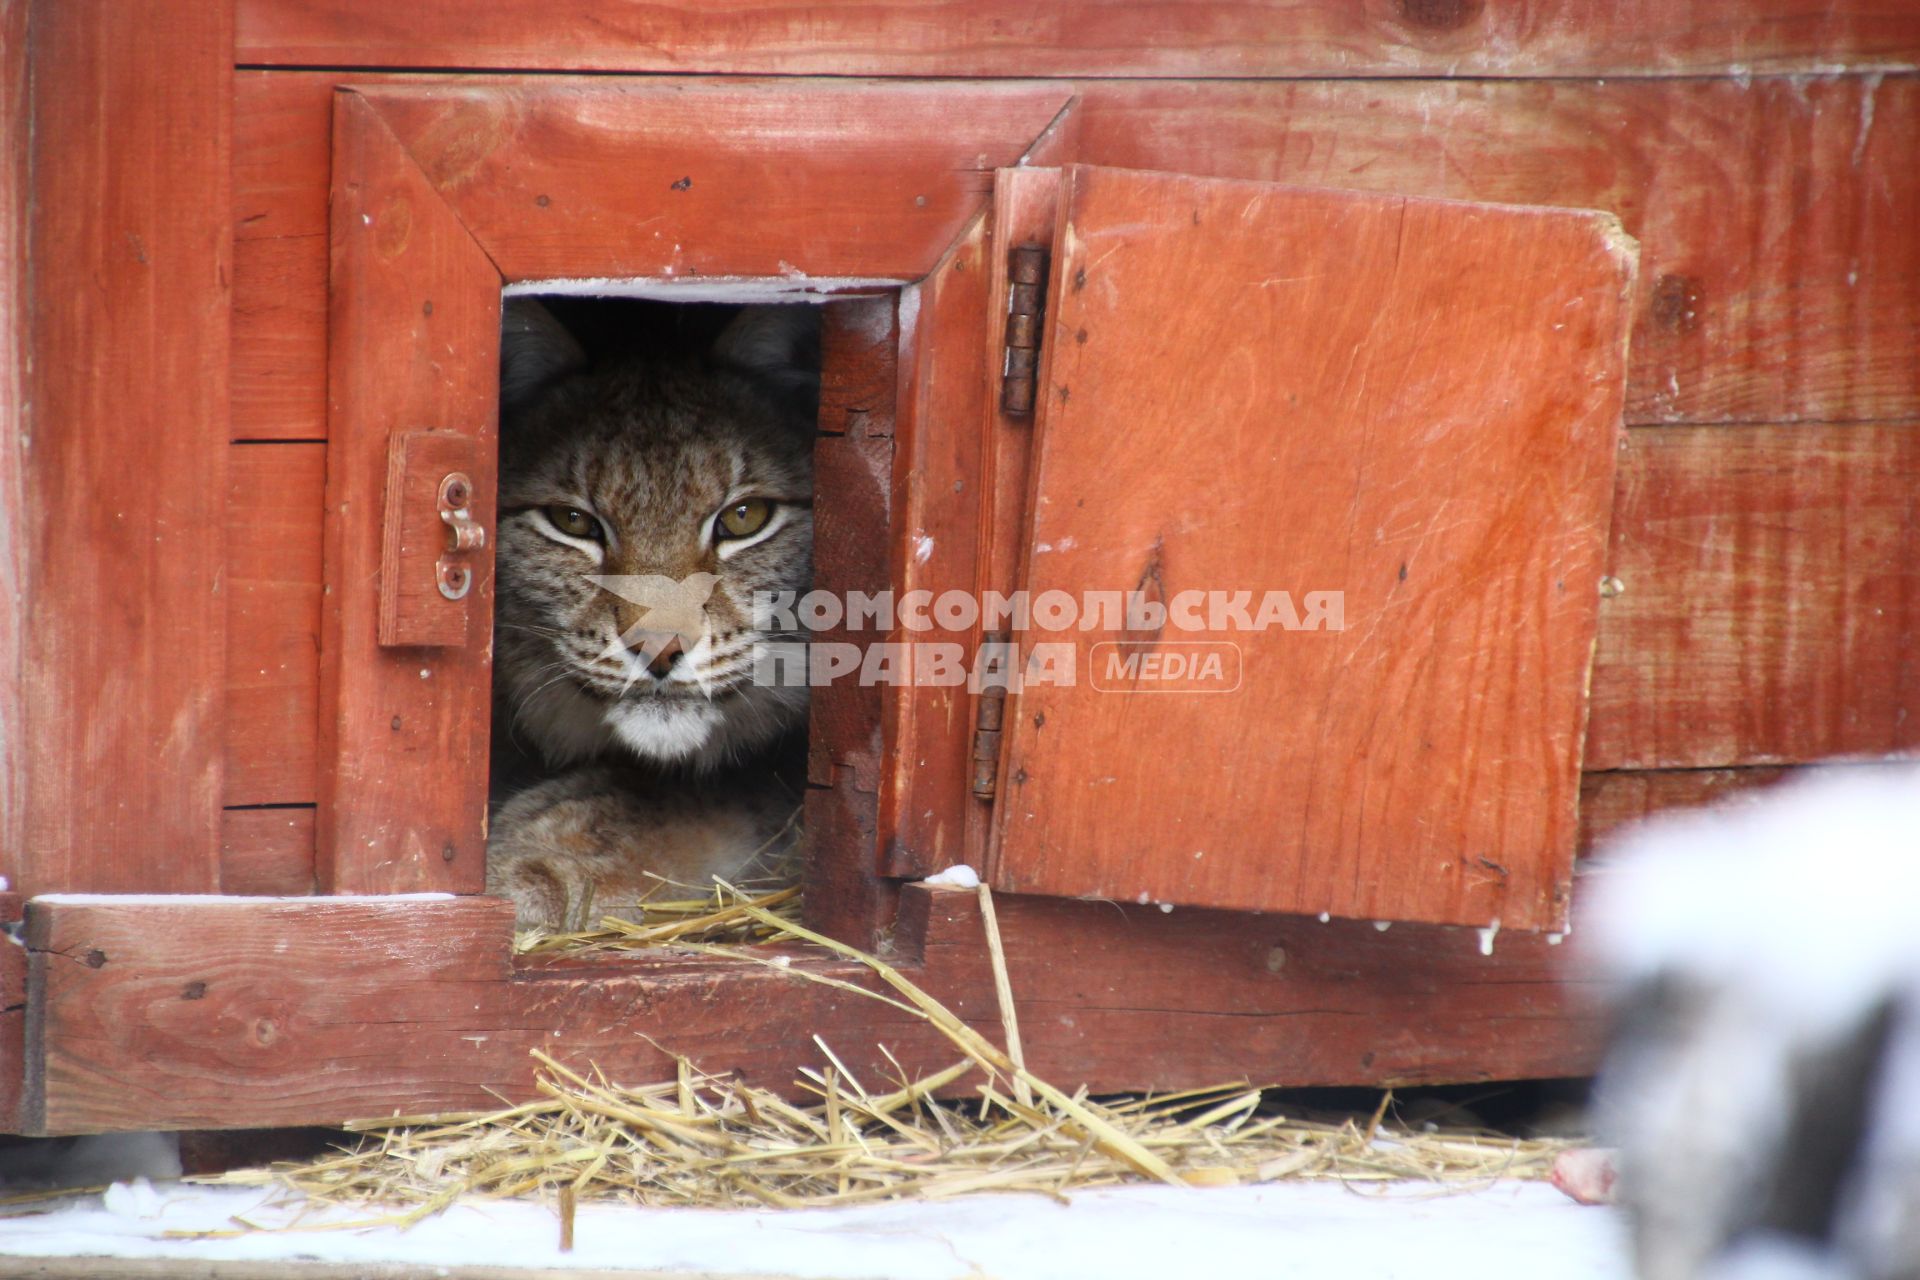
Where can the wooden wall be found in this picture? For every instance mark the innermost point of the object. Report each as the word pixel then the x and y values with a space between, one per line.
pixel 1761 150
pixel 1764 528
pixel 116 308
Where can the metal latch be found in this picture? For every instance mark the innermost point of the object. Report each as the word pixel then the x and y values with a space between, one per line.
pixel 433 545
pixel 451 571
pixel 1026 304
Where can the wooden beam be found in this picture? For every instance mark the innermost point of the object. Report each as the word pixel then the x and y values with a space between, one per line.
pixel 1089 38
pixel 123 451
pixel 403 731
pixel 218 1013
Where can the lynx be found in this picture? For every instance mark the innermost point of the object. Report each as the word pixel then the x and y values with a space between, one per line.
pixel 645 500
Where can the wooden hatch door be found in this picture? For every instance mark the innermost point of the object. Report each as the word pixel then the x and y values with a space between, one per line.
pixel 1360 450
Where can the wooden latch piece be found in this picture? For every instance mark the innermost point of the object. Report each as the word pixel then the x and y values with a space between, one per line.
pixel 431 542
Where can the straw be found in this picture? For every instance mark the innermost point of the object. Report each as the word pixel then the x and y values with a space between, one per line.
pixel 716 1141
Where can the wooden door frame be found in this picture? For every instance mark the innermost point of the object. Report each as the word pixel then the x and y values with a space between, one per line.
pixel 442 194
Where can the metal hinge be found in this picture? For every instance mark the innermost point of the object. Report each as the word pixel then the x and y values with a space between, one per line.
pixel 986 730
pixel 1026 300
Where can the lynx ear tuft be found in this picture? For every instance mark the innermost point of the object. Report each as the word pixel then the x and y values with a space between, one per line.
pixel 778 344
pixel 535 352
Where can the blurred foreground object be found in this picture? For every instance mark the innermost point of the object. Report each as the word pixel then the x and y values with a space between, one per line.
pixel 1764 1082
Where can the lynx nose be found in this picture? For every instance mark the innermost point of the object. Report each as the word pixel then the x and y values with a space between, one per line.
pixel 666 652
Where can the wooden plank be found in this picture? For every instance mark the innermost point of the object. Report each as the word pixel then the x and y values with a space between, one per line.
pixel 935 545
pixel 230 1012
pixel 1771 595
pixel 403 733
pixel 1125 997
pixel 125 480
pixel 267 851
pixel 1779 276
pixel 13 1016
pixel 282 149
pixel 1025 212
pixel 709 185
pixel 1773 216
pixel 15 344
pixel 1090 38
pixel 853 466
pixel 281 159
pixel 280 338
pixel 209 1013
pixel 1249 401
pixel 275 499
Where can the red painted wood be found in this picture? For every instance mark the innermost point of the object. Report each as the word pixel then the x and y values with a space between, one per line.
pixel 417 546
pixel 1657 692
pixel 13 1017
pixel 715 179
pixel 210 1014
pixel 274 508
pixel 414 345
pixel 1795 338
pixel 1770 598
pixel 1779 276
pixel 1249 389
pixel 267 851
pixel 935 543
pixel 1266 38
pixel 526 169
pixel 1777 212
pixel 280 336
pixel 15 341
pixel 853 467
pixel 119 717
pixel 1025 212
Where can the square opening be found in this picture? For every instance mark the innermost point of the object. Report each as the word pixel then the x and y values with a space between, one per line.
pixel 651 728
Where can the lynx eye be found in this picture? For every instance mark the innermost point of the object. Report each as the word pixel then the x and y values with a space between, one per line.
pixel 573 522
pixel 743 519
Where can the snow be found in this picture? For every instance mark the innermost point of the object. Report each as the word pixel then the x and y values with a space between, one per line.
pixel 1275 1231
pixel 1803 897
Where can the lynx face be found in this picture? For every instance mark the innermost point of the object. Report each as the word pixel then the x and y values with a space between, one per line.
pixel 642 507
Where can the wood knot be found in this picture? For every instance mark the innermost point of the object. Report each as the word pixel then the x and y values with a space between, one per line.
pixel 1440 15
pixel 194 991
pixel 94 959
pixel 1677 301
pixel 266 1031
